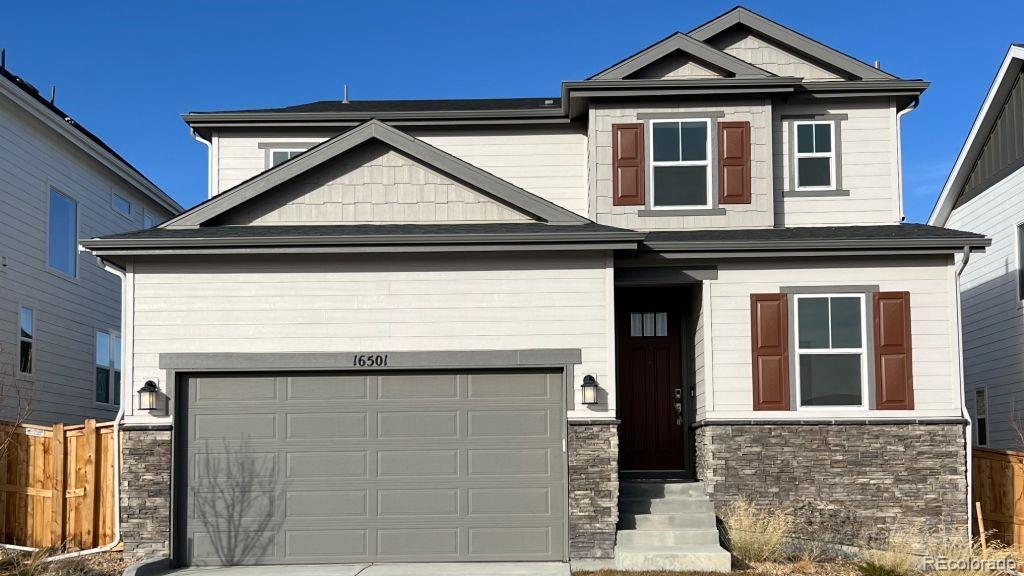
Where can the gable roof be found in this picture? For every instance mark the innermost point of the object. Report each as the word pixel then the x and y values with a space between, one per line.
pixel 740 16
pixel 25 95
pixel 677 41
pixel 374 130
pixel 984 122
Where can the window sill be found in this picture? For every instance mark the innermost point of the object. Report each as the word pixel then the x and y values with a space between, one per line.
pixel 814 193
pixel 648 213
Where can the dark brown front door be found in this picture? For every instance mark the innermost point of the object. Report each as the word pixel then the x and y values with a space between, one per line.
pixel 650 380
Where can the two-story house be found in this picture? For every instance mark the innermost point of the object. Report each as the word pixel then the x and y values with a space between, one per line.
pixel 984 193
pixel 60 312
pixel 549 328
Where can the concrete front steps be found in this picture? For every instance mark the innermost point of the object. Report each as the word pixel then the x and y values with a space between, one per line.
pixel 668 526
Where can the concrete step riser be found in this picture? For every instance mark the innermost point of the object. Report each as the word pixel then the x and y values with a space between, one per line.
pixel 673 538
pixel 665 506
pixel 711 560
pixel 629 521
pixel 654 490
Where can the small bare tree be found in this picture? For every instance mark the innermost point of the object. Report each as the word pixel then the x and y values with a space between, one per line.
pixel 16 395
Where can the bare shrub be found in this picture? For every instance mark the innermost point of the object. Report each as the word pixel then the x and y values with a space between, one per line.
pixel 954 554
pixel 896 555
pixel 755 535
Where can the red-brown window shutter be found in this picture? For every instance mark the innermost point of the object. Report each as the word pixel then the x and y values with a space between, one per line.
pixel 628 164
pixel 734 162
pixel 769 342
pixel 894 385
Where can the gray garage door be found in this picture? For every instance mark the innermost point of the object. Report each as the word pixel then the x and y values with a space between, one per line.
pixel 374 467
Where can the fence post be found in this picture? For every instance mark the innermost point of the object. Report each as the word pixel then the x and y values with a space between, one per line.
pixel 89 484
pixel 59 497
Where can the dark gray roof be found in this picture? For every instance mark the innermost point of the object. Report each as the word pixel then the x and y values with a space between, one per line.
pixel 814 237
pixel 379 106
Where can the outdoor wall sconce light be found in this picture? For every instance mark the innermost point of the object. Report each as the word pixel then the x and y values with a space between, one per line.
pixel 148 396
pixel 589 390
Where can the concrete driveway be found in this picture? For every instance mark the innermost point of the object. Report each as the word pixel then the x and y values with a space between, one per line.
pixel 440 569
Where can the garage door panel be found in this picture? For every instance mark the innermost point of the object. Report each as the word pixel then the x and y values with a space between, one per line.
pixel 235 389
pixel 375 467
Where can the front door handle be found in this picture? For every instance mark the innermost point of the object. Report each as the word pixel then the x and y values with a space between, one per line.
pixel 678 405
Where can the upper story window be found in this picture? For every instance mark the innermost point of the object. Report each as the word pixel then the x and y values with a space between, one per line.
pixel 108 367
pixel 26 340
pixel 280 155
pixel 815 155
pixel 831 358
pixel 680 165
pixel 62 234
pixel 147 219
pixel 121 204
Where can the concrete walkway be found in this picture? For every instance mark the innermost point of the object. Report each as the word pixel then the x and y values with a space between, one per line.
pixel 425 569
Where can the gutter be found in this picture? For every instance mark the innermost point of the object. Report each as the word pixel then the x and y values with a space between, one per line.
pixel 962 383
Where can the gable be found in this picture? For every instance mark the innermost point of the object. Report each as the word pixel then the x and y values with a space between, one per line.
pixel 1003 151
pixel 373 184
pixel 676 65
pixel 771 56
pixel 674 46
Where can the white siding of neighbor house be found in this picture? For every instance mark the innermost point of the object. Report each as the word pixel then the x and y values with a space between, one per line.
pixel 67 311
pixel 548 162
pixel 374 184
pixel 993 316
pixel 869 164
pixel 769 56
pixel 376 304
pixel 930 282
pixel 757 214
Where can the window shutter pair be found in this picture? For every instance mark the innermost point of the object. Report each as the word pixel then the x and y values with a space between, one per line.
pixel 769 335
pixel 628 179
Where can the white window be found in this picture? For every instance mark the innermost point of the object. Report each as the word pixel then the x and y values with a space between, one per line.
pixel 121 204
pixel 108 367
pixel 680 164
pixel 831 358
pixel 815 156
pixel 62 234
pixel 981 415
pixel 147 219
pixel 279 155
pixel 26 340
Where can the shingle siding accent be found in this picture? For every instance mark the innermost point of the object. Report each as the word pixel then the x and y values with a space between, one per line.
pixel 593 489
pixel 846 484
pixel 769 56
pixel 145 493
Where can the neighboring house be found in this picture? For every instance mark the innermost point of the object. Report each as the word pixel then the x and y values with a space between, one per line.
pixel 464 329
pixel 985 194
pixel 60 311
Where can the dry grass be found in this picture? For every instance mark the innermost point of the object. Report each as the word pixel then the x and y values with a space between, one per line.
pixel 758 536
pixel 35 564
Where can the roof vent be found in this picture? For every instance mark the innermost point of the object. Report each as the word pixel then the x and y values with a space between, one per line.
pixel 549 102
pixel 344 99
pixel 878 65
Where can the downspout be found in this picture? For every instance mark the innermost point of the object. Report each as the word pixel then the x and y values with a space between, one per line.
pixel 960 376
pixel 899 154
pixel 209 161
pixel 120 273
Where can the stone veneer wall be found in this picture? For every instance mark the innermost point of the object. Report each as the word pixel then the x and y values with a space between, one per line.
pixel 849 484
pixel 593 488
pixel 145 493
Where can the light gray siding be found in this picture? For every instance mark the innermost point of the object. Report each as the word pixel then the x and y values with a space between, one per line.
pixel 675 66
pixel 993 316
pixel 33 158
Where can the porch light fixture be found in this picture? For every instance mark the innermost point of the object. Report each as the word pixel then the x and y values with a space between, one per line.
pixel 589 390
pixel 148 396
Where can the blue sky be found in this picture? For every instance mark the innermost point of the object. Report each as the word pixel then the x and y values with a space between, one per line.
pixel 128 70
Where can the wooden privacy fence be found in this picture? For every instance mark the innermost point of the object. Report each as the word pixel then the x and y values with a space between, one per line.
pixel 57 485
pixel 998 480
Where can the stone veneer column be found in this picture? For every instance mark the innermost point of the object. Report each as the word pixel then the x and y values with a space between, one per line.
pixel 593 488
pixel 145 493
pixel 848 484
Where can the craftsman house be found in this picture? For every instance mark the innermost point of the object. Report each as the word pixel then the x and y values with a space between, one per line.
pixel 554 329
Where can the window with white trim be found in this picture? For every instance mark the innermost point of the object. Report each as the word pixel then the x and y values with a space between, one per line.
pixel 26 340
pixel 62 234
pixel 815 155
pixel 281 155
pixel 121 204
pixel 831 351
pixel 147 219
pixel 108 367
pixel 680 153
pixel 981 416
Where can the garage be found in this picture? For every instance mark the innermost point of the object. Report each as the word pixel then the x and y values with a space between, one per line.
pixel 371 466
